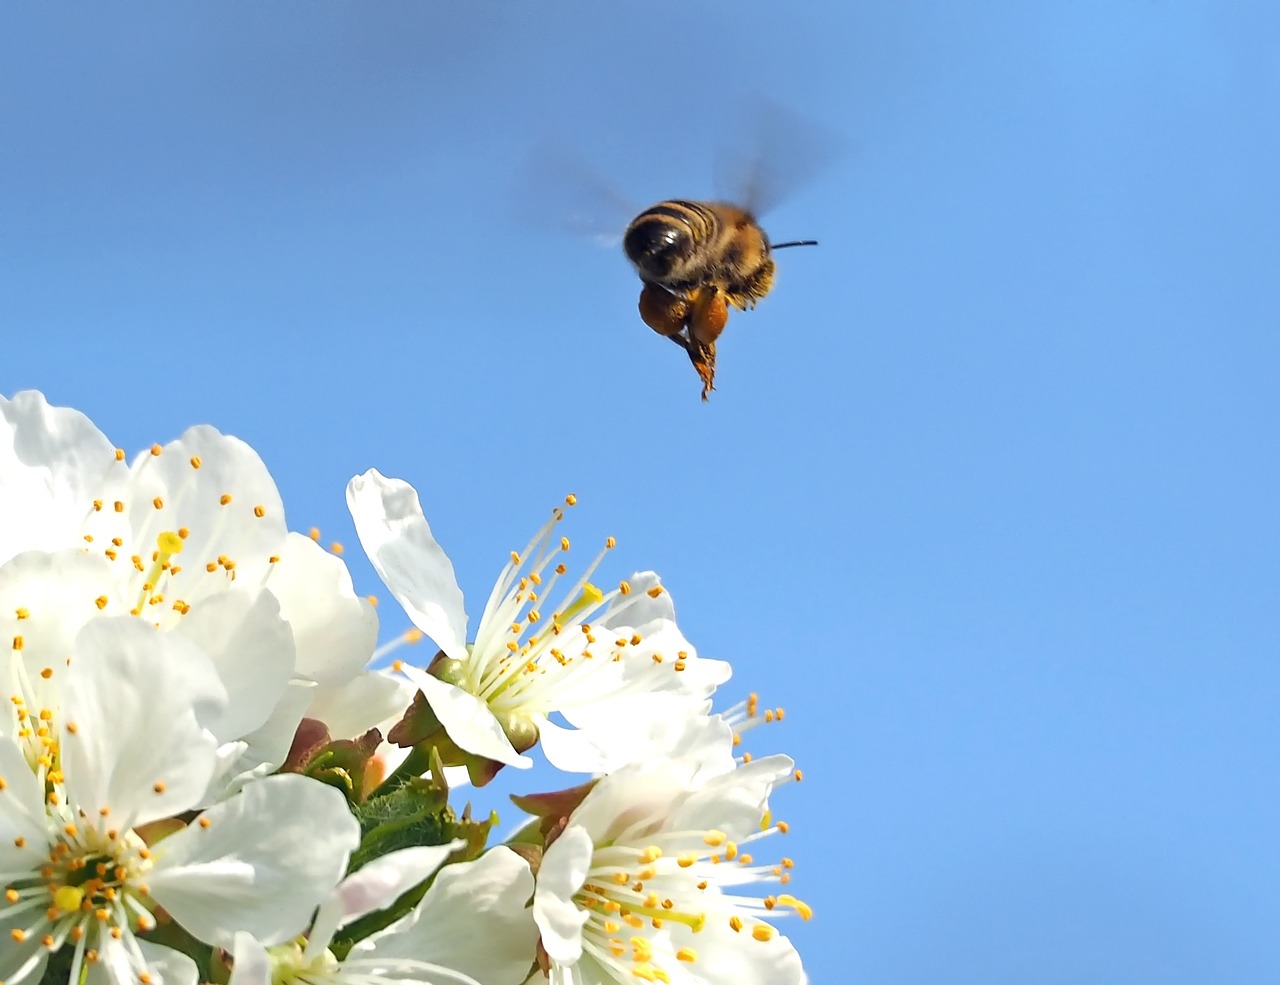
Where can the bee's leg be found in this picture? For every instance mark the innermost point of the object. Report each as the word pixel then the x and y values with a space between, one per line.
pixel 706 322
pixel 665 313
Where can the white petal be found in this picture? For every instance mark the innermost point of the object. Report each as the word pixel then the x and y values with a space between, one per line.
pixel 114 963
pixel 52 462
pixel 270 744
pixel 636 794
pixel 467 719
pixel 335 631
pixel 20 963
pixel 733 802
pixel 581 751
pixel 602 746
pixel 387 878
pixel 726 956
pixel 368 700
pixel 415 569
pixel 23 824
pixel 563 871
pixel 259 862
pixel 133 737
pixel 474 919
pixel 169 967
pixel 639 609
pixel 218 503
pixel 252 649
pixel 58 593
pixel 252 963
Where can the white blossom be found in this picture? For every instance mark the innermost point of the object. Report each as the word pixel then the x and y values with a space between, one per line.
pixel 190 538
pixel 613 664
pixel 82 785
pixel 645 879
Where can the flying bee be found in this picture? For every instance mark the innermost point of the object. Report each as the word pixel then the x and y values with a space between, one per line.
pixel 696 259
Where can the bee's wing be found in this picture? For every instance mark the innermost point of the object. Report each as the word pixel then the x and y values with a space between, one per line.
pixel 557 190
pixel 773 152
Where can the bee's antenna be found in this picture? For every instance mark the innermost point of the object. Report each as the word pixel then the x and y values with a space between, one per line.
pixel 794 242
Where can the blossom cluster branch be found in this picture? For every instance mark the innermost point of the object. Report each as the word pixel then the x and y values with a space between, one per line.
pixel 206 775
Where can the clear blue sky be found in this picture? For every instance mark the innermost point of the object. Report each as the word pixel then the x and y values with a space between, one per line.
pixel 987 497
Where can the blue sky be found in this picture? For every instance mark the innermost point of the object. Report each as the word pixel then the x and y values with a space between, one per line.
pixel 986 498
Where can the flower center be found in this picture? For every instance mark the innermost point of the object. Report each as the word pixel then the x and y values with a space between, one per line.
pixel 91 884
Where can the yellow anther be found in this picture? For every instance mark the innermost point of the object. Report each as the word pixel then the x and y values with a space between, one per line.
pixel 610 543
pixel 624 587
pixel 735 922
pixel 564 543
pixel 195 461
pixel 119 454
pixel 158 503
pixel 762 932
pixel 314 533
pixel 336 548
pixel 654 592
pixel 515 558
pixel 156 450
pixel 571 500
pixel 687 954
pixel 18 642
pixel 259 511
pixel 118 506
pixel 224 499
pixel 715 838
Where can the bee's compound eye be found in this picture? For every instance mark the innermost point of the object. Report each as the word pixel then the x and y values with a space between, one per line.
pixel 654 244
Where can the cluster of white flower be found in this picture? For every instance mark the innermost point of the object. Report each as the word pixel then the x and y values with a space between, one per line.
pixel 202 780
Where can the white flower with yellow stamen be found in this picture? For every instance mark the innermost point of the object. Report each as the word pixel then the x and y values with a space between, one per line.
pixel 645 880
pixel 611 663
pixel 190 538
pixel 80 784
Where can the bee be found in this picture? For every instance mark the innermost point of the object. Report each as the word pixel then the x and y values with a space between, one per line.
pixel 696 259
